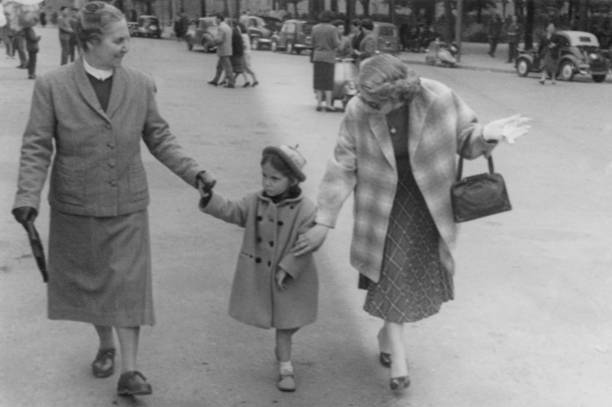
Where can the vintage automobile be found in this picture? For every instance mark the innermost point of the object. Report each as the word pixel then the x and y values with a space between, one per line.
pixel 147 26
pixel 201 33
pixel 259 33
pixel 294 36
pixel 387 35
pixel 579 54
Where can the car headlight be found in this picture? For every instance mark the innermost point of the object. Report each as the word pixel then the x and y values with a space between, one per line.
pixel 593 56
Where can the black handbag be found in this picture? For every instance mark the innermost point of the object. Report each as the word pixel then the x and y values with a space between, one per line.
pixel 478 195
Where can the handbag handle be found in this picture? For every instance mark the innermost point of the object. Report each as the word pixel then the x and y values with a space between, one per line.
pixel 460 165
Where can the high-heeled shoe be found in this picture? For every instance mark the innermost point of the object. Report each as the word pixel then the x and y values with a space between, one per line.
pixel 398 384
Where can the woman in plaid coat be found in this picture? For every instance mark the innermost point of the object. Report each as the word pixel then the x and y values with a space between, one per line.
pixel 396 151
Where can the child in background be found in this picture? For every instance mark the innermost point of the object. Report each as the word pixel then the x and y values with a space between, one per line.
pixel 272 288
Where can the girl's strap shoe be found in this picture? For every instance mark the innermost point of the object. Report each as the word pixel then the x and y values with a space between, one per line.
pixel 133 383
pixel 104 363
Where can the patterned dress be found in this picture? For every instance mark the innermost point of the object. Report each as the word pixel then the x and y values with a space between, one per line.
pixel 413 282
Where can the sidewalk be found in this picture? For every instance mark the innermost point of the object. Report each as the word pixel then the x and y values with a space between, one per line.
pixel 474 56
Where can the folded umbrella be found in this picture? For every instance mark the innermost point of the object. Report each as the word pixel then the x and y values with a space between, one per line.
pixel 37 248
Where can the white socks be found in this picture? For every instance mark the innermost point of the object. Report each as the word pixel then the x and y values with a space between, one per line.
pixel 285 367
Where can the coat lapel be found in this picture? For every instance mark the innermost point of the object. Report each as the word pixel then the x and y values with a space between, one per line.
pixel 418 112
pixel 380 129
pixel 85 88
pixel 118 90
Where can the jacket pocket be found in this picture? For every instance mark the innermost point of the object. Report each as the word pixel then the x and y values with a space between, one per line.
pixel 67 184
pixel 137 182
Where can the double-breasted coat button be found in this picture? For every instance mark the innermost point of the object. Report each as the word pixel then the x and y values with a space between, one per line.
pixel 257 260
pixel 259 239
pixel 259 218
pixel 269 263
pixel 280 223
pixel 271 244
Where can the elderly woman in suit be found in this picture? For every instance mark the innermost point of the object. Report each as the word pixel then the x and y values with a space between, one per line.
pixel 87 121
pixel 396 151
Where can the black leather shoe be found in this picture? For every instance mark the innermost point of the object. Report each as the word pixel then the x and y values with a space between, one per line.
pixel 385 359
pixel 399 383
pixel 214 83
pixel 133 383
pixel 104 363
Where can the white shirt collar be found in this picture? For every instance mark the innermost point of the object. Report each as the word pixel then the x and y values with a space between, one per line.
pixel 100 74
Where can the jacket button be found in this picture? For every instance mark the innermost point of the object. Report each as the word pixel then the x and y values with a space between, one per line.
pixel 269 263
pixel 111 164
pixel 111 145
pixel 271 244
pixel 259 239
pixel 108 126
pixel 280 223
pixel 112 182
pixel 259 218
pixel 257 260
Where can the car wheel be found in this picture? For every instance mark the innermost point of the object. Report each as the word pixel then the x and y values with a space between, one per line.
pixel 298 51
pixel 522 67
pixel 567 70
pixel 255 43
pixel 599 78
pixel 189 45
pixel 289 48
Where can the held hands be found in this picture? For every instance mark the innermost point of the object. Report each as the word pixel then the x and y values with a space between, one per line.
pixel 205 183
pixel 508 129
pixel 310 241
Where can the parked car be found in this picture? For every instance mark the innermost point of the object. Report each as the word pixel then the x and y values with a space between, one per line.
pixel 579 54
pixel 259 33
pixel 201 33
pixel 147 26
pixel 294 36
pixel 132 27
pixel 387 35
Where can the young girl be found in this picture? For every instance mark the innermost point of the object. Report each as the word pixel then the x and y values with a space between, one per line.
pixel 272 288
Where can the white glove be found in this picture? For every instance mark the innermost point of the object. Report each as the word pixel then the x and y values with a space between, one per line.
pixel 509 128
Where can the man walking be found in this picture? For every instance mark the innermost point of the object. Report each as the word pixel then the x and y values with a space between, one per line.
pixel 224 52
pixel 513 38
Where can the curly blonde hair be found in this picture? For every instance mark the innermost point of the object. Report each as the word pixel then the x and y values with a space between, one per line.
pixel 384 77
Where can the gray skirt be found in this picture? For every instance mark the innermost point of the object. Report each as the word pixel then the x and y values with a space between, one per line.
pixel 100 269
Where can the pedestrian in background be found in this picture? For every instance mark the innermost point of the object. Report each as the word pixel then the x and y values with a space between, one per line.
pixel 549 49
pixel 325 41
pixel 19 45
pixel 272 288
pixel 32 40
pixel 247 62
pixel 66 34
pixel 356 35
pixel 494 33
pixel 223 41
pixel 400 165
pixel 512 34
pixel 345 49
pixel 87 121
pixel 369 44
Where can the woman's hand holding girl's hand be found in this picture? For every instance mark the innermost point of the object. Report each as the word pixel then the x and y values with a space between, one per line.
pixel 509 128
pixel 205 183
pixel 310 241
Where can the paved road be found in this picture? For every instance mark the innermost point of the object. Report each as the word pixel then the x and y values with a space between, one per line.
pixel 529 326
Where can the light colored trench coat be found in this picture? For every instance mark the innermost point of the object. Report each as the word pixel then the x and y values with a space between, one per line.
pixel 363 162
pixel 270 231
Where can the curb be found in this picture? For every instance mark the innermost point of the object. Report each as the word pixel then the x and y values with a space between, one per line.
pixel 462 66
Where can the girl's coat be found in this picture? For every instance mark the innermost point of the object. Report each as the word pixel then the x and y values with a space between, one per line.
pixel 271 230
